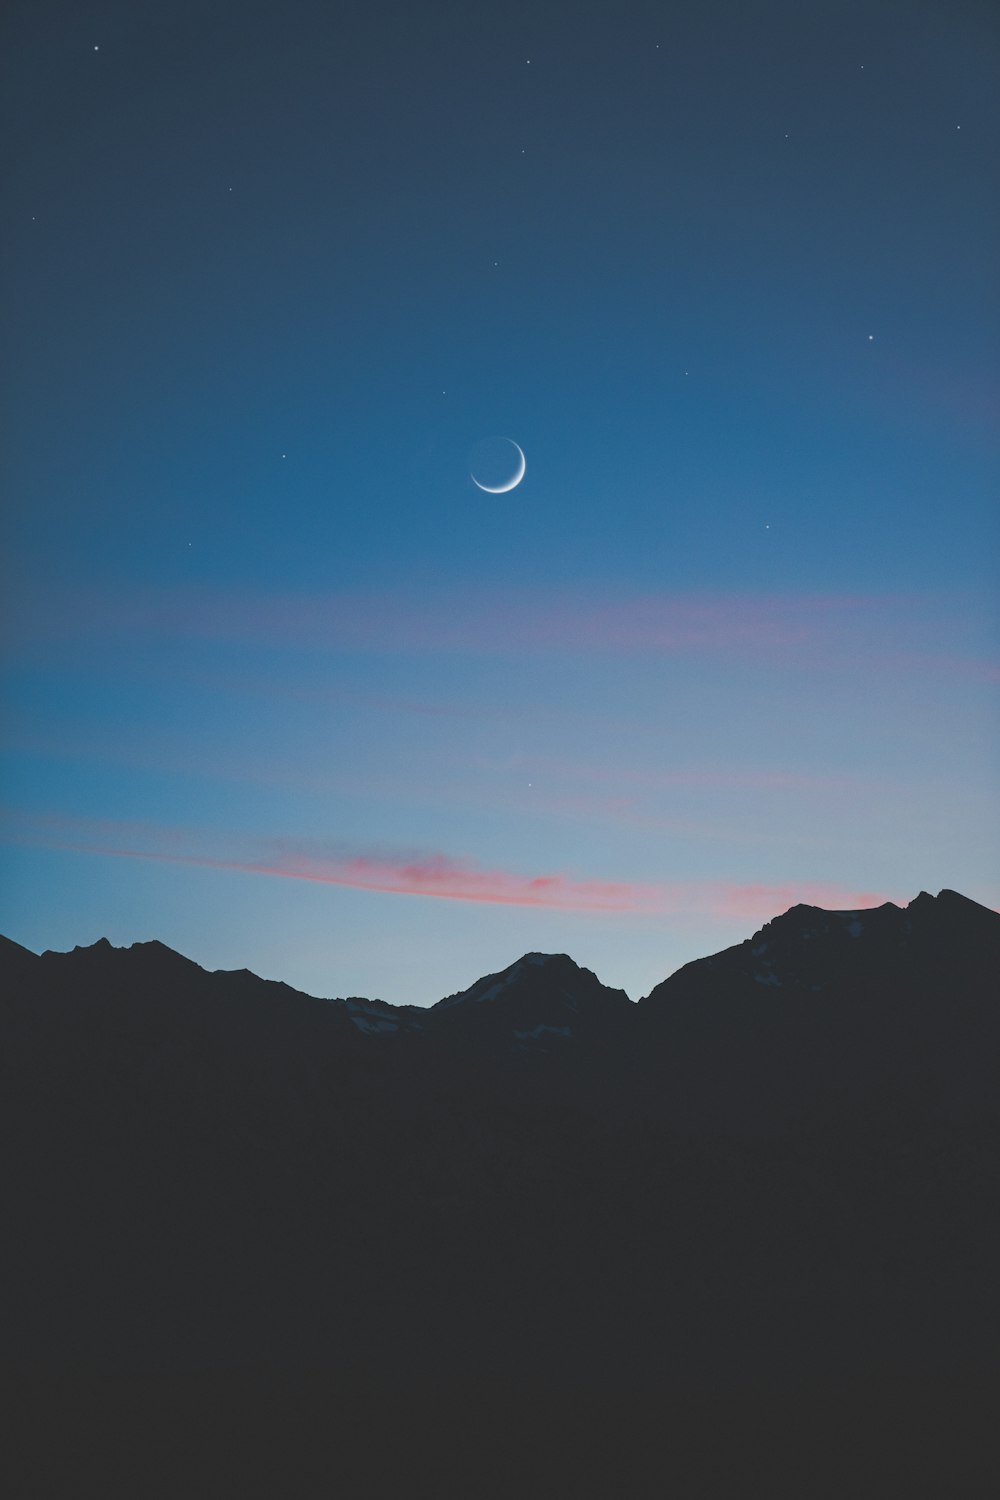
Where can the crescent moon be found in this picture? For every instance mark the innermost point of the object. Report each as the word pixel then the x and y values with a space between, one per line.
pixel 512 484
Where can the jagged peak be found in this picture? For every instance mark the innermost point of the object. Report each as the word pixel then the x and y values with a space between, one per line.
pixel 81 950
pixel 155 949
pixel 491 985
pixel 801 927
pixel 953 903
pixel 947 897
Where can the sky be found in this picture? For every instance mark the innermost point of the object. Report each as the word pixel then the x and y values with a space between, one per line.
pixel 284 688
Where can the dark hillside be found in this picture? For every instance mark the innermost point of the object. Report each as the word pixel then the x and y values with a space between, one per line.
pixel 777 1172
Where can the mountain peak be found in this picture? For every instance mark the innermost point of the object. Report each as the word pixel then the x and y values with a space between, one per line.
pixel 492 985
pixel 157 952
pixel 151 957
pixel 543 999
pixel 578 1185
pixel 809 948
pixel 953 900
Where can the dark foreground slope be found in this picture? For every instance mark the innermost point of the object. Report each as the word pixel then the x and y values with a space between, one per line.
pixel 777 1174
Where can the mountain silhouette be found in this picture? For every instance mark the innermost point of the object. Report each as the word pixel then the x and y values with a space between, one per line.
pixel 777 1171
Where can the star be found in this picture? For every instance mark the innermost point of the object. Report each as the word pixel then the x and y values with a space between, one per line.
pixel 871 338
pixel 97 49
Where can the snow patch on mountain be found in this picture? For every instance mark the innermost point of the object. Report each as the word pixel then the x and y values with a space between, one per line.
pixel 374 1025
pixel 370 1017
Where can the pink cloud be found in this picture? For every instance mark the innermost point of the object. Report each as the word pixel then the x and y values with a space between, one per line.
pixel 482 620
pixel 436 875
pixel 425 874
pixel 441 876
pixel 860 633
pixel 761 902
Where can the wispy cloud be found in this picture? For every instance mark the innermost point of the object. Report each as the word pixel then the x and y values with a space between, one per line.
pixel 681 778
pixel 451 879
pixel 430 874
pixel 467 620
pixel 863 634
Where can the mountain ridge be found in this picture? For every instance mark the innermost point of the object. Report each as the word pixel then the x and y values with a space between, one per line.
pixel 489 986
pixel 209 1170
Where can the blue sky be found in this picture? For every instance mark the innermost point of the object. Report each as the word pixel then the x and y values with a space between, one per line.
pixel 283 689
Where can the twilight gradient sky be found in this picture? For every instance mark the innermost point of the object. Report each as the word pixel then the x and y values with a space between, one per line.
pixel 284 689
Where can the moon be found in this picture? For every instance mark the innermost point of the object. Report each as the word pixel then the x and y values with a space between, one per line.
pixel 492 462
